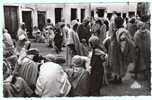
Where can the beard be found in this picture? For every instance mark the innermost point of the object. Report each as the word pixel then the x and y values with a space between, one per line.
pixel 124 47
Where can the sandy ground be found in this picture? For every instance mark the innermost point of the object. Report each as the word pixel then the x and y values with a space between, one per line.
pixel 110 90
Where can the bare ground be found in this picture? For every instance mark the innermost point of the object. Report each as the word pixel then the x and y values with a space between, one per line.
pixel 110 90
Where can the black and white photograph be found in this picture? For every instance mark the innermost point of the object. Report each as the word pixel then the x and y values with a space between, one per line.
pixel 90 49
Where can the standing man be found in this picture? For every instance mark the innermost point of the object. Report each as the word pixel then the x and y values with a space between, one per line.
pixel 121 53
pixel 63 31
pixel 22 37
pixel 8 44
pixel 100 30
pixel 112 24
pixel 142 48
pixel 84 30
pixel 97 69
pixel 73 43
pixel 49 23
pixel 49 33
pixel 58 39
pixel 132 27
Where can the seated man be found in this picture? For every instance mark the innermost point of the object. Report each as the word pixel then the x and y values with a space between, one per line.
pixel 52 80
pixel 15 86
pixel 8 46
pixel 49 33
pixel 79 76
pixel 28 68
pixel 36 33
pixel 7 70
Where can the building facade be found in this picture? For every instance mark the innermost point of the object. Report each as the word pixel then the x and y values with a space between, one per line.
pixel 36 14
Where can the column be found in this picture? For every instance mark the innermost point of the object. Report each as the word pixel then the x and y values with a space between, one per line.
pixel 20 14
pixel 67 13
pixel 51 13
pixel 35 17
pixel 79 14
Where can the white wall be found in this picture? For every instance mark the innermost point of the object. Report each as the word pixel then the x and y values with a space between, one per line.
pixel 119 7
pixel 67 14
pixel 50 9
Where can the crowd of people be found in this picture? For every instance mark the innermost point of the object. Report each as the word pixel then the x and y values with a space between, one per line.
pixel 98 52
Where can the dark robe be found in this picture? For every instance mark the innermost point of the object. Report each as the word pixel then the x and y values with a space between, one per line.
pixel 119 60
pixel 97 72
pixel 79 79
pixel 6 69
pixel 142 43
pixel 84 32
pixel 17 89
pixel 132 28
pixel 28 70
pixel 58 39
pixel 74 47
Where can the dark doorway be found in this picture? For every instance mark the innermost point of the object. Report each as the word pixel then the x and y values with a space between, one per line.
pixel 100 12
pixel 82 14
pixel 27 19
pixel 124 15
pixel 92 14
pixel 73 13
pixel 109 15
pixel 119 14
pixel 131 14
pixel 41 19
pixel 58 15
pixel 11 20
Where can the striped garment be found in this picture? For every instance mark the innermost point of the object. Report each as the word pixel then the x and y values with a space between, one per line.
pixel 28 71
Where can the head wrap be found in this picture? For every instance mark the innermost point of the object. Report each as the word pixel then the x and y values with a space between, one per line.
pixel 50 57
pixel 33 51
pixel 61 24
pixel 5 31
pixel 119 22
pixel 74 22
pixel 141 25
pixel 21 24
pixel 27 45
pixel 99 20
pixel 62 20
pixel 12 59
pixel 86 19
pixel 77 61
pixel 132 20
pixel 94 41
pixel 122 33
